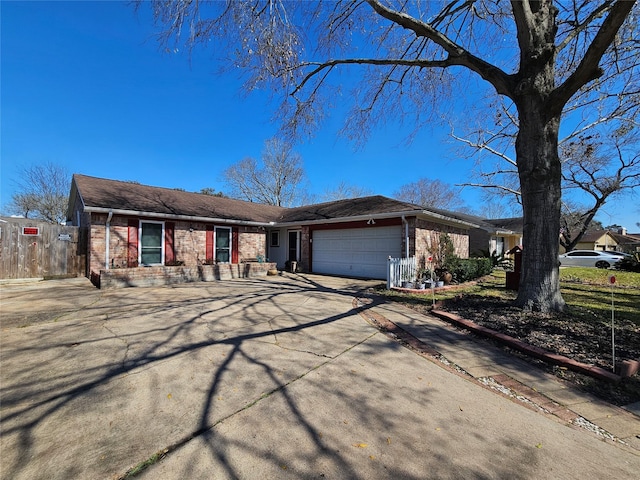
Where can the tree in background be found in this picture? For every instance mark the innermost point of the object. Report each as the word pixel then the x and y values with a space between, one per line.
pixel 431 193
pixel 596 167
pixel 211 191
pixel 548 59
pixel 43 193
pixel 344 191
pixel 273 182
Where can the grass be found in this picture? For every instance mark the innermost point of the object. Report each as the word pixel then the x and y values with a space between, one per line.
pixel 599 276
pixel 582 331
pixel 585 290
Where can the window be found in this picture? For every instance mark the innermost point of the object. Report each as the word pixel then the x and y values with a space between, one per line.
pixel 223 244
pixel 275 238
pixel 151 243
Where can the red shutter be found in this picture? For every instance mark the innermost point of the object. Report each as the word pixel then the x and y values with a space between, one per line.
pixel 132 243
pixel 169 248
pixel 234 245
pixel 209 256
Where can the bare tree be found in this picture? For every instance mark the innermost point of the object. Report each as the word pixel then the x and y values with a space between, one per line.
pixel 489 206
pixel 275 182
pixel 43 193
pixel 545 57
pixel 598 173
pixel 595 168
pixel 345 190
pixel 431 193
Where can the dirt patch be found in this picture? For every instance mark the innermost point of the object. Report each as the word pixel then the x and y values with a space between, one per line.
pixel 585 339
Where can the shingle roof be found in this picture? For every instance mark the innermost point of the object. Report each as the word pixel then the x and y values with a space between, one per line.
pixel 99 194
pixel 592 235
pixel 353 207
pixel 513 224
pixel 117 195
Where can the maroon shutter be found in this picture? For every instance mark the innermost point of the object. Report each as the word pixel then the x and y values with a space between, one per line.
pixel 234 245
pixel 132 243
pixel 169 247
pixel 209 257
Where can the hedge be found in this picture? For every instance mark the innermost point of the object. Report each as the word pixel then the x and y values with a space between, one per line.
pixel 466 269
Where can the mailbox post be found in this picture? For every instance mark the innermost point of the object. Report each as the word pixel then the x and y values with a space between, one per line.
pixel 513 278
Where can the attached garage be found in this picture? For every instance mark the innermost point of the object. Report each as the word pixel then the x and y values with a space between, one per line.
pixel 355 252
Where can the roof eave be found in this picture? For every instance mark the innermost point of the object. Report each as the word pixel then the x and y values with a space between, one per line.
pixel 173 216
pixel 357 218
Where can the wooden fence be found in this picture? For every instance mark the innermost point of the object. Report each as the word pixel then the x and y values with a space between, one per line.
pixel 33 249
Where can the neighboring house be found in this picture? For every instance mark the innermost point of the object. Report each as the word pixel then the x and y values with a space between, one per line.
pixel 492 235
pixel 596 240
pixel 501 234
pixel 133 225
pixel 627 242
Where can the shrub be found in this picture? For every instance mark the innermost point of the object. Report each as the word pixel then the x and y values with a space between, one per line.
pixel 629 264
pixel 466 269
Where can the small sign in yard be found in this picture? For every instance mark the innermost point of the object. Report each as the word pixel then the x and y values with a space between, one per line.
pixel 612 281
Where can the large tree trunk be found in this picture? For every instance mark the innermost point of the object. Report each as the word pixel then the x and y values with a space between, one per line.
pixel 540 183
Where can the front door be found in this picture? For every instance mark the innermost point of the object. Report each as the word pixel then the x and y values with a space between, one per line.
pixel 294 246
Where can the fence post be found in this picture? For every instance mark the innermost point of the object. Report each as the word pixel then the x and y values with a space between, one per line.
pixel 399 269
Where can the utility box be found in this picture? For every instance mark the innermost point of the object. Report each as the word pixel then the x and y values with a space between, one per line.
pixel 513 278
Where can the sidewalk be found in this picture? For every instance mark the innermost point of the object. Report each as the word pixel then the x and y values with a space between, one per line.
pixel 507 374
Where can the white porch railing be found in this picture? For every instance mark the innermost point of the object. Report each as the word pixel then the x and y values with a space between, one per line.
pixel 400 270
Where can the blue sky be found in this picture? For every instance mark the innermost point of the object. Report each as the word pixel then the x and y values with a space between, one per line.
pixel 84 85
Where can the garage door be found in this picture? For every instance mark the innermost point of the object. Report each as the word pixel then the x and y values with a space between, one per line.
pixel 356 252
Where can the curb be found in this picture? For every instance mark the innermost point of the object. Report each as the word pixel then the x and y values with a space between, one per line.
pixel 521 346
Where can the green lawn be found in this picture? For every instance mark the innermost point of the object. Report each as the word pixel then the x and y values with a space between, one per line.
pixel 587 291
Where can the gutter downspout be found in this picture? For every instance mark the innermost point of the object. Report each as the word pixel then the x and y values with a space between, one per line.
pixel 106 240
pixel 406 237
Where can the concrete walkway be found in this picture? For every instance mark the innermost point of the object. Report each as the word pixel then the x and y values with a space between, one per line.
pixel 511 375
pixel 265 378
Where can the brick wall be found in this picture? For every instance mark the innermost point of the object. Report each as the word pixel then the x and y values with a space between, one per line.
pixel 189 242
pixel 305 249
pixel 252 242
pixel 157 276
pixel 425 236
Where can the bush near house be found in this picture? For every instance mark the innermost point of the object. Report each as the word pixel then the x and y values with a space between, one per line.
pixel 629 264
pixel 467 269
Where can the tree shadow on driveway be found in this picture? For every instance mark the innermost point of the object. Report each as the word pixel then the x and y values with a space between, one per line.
pixel 233 380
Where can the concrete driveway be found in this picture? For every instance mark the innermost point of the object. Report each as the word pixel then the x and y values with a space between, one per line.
pixel 266 378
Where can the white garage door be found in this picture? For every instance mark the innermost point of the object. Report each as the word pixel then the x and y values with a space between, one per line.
pixel 356 252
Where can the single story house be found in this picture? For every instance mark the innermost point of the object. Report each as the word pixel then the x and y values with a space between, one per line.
pixel 627 242
pixel 609 240
pixel 596 240
pixel 132 225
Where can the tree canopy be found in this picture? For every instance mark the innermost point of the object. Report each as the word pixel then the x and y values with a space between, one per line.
pixel 43 193
pixel 551 62
pixel 431 193
pixel 274 181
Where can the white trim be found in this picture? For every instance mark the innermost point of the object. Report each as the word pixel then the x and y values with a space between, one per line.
pixel 140 222
pixel 193 218
pixel 173 216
